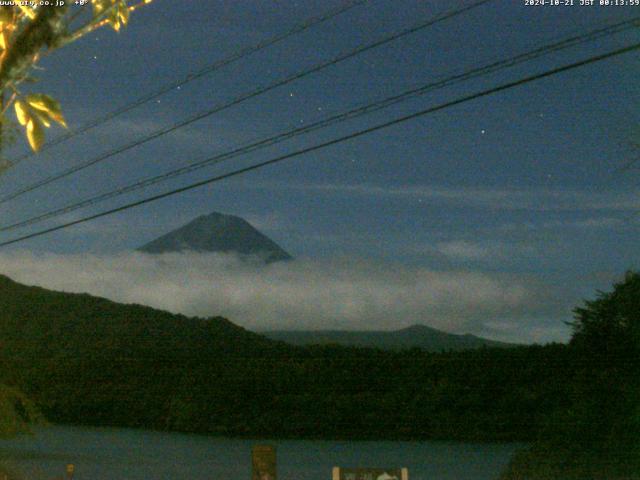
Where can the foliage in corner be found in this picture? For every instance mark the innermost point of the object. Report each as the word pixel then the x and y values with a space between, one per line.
pixel 17 412
pixel 27 33
pixel 609 326
pixel 597 435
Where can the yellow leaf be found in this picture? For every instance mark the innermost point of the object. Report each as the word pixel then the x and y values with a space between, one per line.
pixel 4 40
pixel 35 134
pixel 22 112
pixel 42 102
pixel 43 117
pixel 47 105
pixel 123 12
pixel 60 119
pixel 28 11
pixel 114 19
pixel 99 6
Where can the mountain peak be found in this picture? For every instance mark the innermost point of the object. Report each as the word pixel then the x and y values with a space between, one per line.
pixel 218 232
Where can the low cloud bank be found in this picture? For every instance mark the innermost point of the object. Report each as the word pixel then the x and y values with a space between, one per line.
pixel 304 294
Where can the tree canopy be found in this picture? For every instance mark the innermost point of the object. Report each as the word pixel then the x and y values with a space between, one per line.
pixel 598 434
pixel 610 325
pixel 28 33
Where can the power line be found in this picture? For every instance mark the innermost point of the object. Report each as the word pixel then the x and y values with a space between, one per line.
pixel 335 141
pixel 353 113
pixel 234 57
pixel 218 108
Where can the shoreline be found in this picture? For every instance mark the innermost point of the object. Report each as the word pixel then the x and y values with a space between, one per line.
pixel 259 437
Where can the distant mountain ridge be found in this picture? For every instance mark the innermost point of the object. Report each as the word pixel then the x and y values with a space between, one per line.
pixel 420 336
pixel 218 232
pixel 86 360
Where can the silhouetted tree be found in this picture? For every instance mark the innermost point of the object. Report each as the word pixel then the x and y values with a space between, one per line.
pixel 609 327
pixel 598 435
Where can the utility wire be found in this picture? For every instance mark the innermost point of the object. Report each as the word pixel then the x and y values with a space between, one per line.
pixel 353 113
pixel 218 108
pixel 206 70
pixel 335 141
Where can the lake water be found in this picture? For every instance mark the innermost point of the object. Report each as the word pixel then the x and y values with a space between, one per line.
pixel 101 454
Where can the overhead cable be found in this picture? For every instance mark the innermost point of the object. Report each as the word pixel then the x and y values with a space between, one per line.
pixel 237 100
pixel 334 141
pixel 332 120
pixel 206 70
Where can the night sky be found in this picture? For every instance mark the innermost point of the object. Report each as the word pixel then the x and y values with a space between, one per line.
pixel 522 187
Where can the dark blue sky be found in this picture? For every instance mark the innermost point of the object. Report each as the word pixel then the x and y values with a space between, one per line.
pixel 519 183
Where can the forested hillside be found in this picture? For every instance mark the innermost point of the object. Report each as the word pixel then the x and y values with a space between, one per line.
pixel 87 360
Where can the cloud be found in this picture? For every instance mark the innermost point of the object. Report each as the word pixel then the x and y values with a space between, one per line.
pixel 460 249
pixel 269 222
pixel 537 331
pixel 605 223
pixel 301 294
pixel 196 137
pixel 488 250
pixel 588 223
pixel 530 199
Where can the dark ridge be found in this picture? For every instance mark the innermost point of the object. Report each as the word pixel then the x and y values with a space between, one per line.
pixel 85 360
pixel 415 336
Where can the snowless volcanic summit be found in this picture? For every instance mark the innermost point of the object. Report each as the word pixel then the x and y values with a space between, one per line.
pixel 218 232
